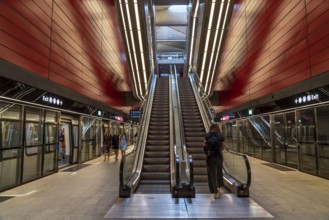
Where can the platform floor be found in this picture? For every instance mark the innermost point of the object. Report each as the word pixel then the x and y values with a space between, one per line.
pixel 91 192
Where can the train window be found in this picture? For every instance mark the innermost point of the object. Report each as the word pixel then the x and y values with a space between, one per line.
pixel 51 133
pixel 51 117
pixel 12 113
pixel 10 134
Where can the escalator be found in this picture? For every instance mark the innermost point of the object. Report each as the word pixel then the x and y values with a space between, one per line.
pixel 155 177
pixel 194 134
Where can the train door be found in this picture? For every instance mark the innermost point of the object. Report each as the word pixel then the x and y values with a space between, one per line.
pixel 10 145
pixel 291 140
pixel 33 144
pixel 65 143
pixel 51 142
pixel 323 141
pixel 306 140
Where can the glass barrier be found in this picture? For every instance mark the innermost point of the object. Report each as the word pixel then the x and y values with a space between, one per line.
pixel 237 166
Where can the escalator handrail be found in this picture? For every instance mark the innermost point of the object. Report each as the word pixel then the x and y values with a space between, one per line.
pixel 205 119
pixel 181 118
pixel 247 164
pixel 203 95
pixel 174 157
pixel 187 159
pixel 261 134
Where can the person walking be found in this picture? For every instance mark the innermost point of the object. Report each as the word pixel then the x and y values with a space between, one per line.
pixel 213 146
pixel 123 143
pixel 115 144
pixel 107 141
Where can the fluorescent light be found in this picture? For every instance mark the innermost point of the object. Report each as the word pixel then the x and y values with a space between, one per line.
pixel 207 38
pixel 140 41
pixel 214 44
pixel 134 49
pixel 220 42
pixel 129 51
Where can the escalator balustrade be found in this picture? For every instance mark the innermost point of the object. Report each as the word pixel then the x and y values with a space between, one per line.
pixel 194 134
pixel 155 176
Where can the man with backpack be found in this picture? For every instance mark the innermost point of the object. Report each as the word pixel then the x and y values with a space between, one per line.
pixel 213 146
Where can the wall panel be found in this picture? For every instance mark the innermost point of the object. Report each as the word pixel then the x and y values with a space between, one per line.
pixel 76 44
pixel 287 43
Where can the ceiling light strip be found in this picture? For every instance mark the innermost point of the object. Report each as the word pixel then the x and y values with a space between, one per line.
pixel 140 41
pixel 193 32
pixel 134 49
pixel 219 45
pixel 129 51
pixel 211 66
pixel 212 8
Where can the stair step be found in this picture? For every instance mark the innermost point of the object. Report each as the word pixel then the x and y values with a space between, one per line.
pixel 198 129
pixel 194 139
pixel 157 154
pixel 200 178
pixel 200 170
pixel 156 160
pixel 198 156
pixel 165 132
pixel 158 137
pixel 157 148
pixel 157 142
pixel 156 176
pixel 156 168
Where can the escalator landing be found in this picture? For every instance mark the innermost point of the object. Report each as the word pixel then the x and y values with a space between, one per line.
pixel 202 206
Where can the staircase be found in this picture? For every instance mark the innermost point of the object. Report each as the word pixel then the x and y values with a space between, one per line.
pixel 194 134
pixel 155 177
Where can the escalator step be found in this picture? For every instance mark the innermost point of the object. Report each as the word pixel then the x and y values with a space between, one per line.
pixel 200 178
pixel 157 142
pixel 158 148
pixel 166 132
pixel 200 170
pixel 155 176
pixel 194 139
pixel 198 129
pixel 158 137
pixel 195 150
pixel 156 168
pixel 156 160
pixel 156 154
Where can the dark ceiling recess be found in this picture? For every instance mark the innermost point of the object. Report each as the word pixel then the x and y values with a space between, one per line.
pixel 171 2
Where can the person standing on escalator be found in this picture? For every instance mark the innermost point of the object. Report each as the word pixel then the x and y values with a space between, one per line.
pixel 213 146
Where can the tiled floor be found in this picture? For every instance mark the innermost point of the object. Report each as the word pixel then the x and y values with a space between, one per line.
pixel 90 192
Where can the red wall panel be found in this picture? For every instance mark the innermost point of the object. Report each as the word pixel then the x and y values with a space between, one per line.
pixel 75 43
pixel 287 42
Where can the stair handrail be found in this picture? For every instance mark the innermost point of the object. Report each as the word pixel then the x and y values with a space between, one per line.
pixel 138 153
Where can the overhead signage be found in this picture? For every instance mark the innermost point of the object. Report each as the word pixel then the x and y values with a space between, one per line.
pixel 135 113
pixel 307 98
pixel 52 100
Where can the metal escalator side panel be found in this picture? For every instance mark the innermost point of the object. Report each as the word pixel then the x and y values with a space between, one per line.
pixel 131 164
